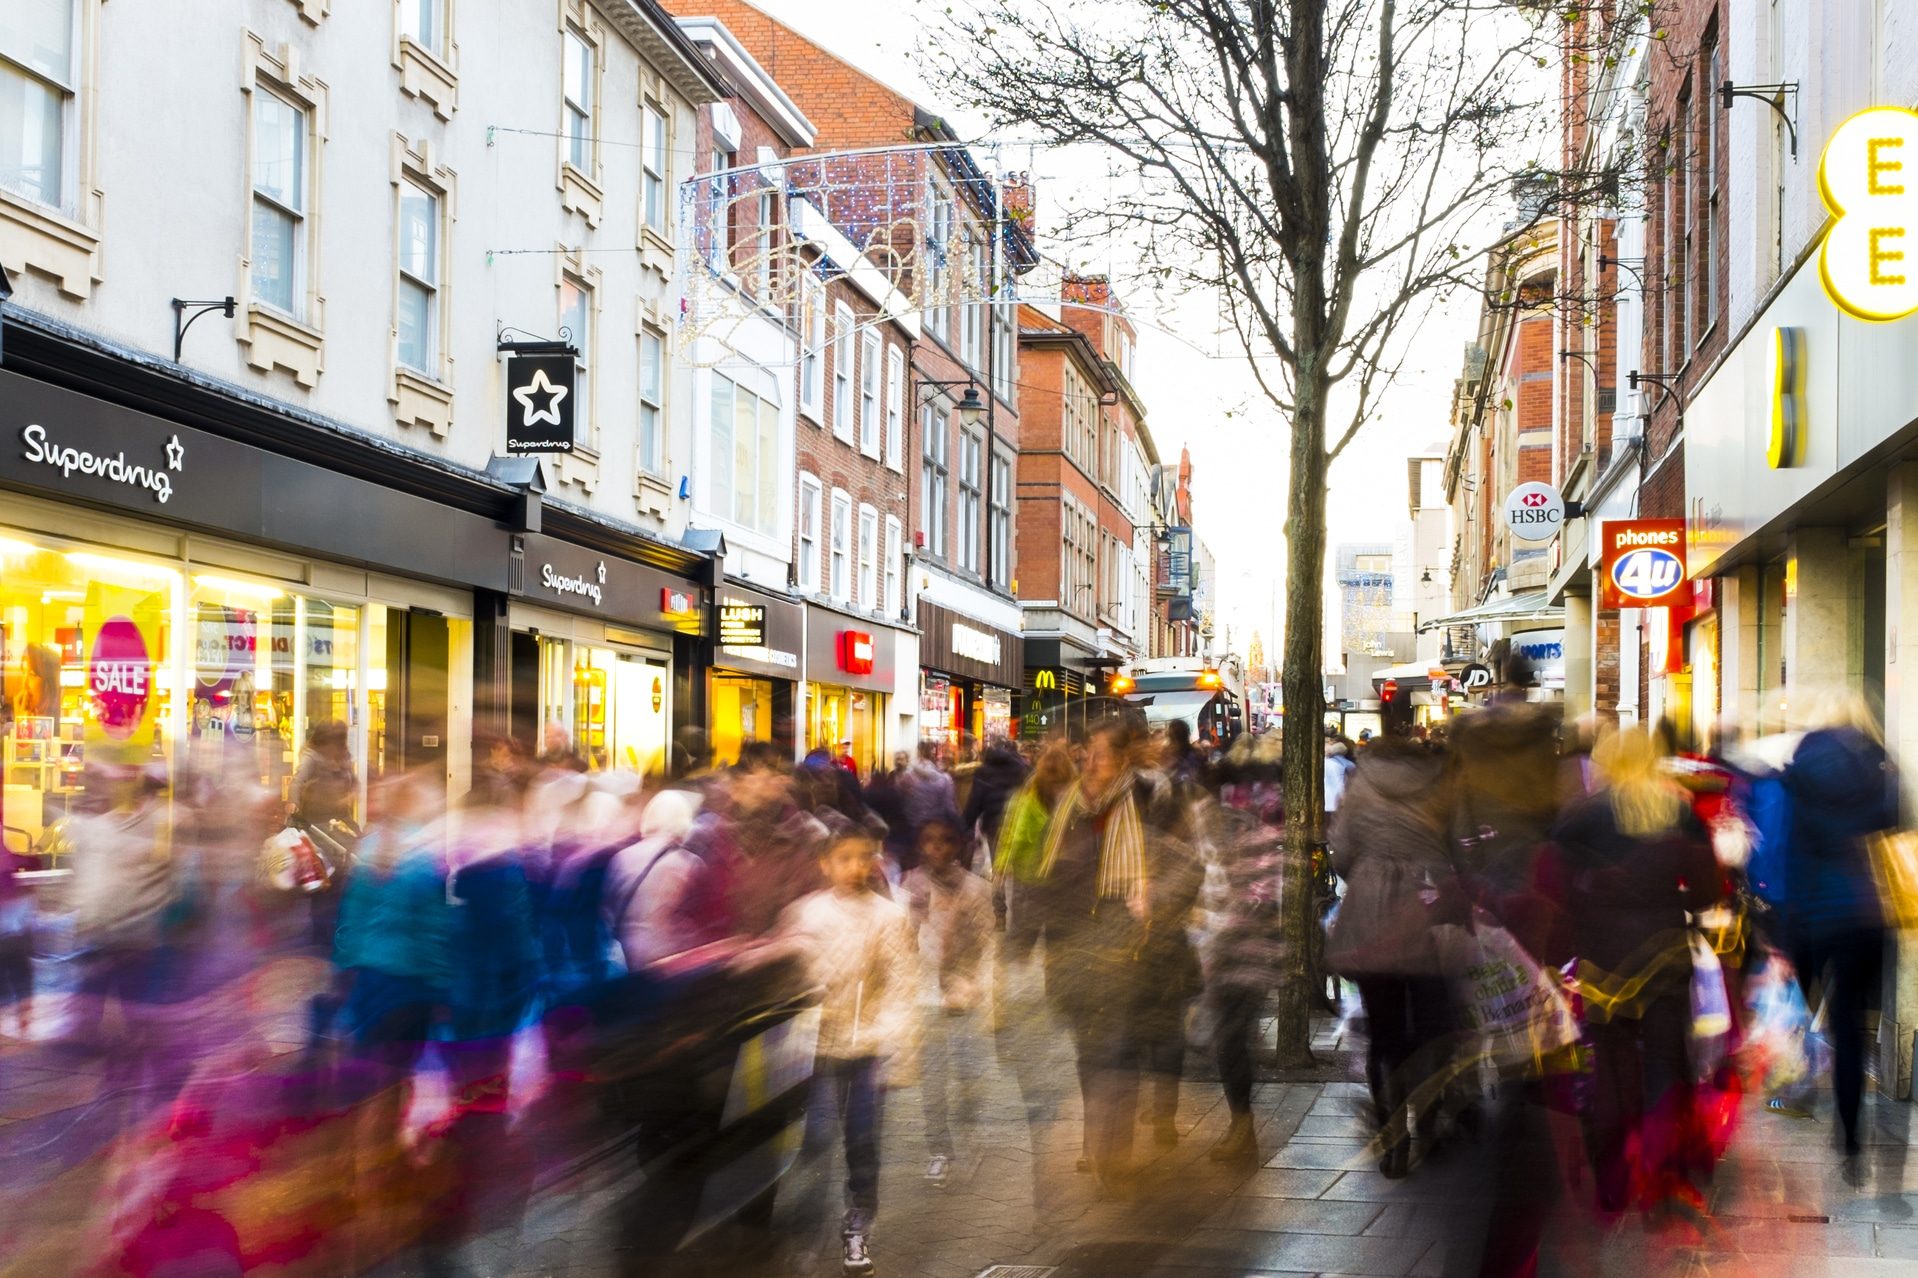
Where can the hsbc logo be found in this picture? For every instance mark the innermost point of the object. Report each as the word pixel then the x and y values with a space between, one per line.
pixel 1532 499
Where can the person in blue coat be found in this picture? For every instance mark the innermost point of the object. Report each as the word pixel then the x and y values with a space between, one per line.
pixel 1842 788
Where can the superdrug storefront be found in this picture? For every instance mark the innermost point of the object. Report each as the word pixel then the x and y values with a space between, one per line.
pixel 205 595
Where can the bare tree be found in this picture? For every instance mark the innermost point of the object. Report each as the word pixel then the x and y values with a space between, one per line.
pixel 1326 169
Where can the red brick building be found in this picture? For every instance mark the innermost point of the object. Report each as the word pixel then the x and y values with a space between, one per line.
pixel 919 208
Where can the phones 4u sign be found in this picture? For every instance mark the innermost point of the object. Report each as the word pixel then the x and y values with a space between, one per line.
pixel 541 397
pixel 1643 563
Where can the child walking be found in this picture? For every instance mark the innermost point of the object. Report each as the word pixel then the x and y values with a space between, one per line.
pixel 860 947
pixel 953 919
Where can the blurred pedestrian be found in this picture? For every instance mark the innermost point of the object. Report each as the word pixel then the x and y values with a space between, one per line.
pixel 16 944
pixel 1842 788
pixel 1001 773
pixel 1389 843
pixel 1247 947
pixel 1637 860
pixel 951 910
pixel 860 948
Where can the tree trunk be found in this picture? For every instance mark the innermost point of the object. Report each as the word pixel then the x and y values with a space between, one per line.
pixel 1303 766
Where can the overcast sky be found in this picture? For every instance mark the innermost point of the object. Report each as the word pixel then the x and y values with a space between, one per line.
pixel 1198 391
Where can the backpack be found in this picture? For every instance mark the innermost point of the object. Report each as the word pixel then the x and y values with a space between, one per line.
pixel 1767 806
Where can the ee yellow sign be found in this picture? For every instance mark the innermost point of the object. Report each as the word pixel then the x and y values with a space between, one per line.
pixel 1868 177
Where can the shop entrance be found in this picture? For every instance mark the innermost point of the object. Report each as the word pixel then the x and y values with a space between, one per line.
pixel 409 714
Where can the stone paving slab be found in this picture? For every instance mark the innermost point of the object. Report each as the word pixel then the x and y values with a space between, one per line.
pixel 1238 1249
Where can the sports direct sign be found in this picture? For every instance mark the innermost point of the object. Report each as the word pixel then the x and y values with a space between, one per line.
pixel 1643 563
pixel 1535 512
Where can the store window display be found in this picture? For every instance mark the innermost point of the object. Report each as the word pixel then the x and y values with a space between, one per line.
pixel 610 709
pixel 846 717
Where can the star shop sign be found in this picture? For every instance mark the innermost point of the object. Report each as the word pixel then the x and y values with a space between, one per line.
pixel 540 402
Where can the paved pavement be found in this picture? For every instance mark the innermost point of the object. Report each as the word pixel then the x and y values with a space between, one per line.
pixel 1312 1202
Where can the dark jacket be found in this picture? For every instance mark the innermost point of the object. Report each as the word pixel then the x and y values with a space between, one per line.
pixel 1842 788
pixel 1388 842
pixel 999 777
pixel 1627 895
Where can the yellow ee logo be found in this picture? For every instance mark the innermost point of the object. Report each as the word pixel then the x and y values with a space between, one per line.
pixel 1786 446
pixel 1868 177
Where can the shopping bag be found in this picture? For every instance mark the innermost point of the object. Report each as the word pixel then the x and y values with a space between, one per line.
pixel 1711 1009
pixel 1517 1006
pixel 1894 866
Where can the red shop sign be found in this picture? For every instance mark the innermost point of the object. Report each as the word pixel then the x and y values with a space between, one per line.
pixel 855 652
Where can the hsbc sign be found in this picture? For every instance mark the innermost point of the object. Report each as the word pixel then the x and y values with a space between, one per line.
pixel 1535 512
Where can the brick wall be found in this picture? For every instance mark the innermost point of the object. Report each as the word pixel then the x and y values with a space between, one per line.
pixel 1681 176
pixel 1605 667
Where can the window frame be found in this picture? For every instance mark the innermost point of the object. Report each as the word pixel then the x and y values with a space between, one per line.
pixel 971 501
pixel 999 517
pixel 895 409
pixel 579 152
pixel 1714 114
pixel 651 461
pixel 808 529
pixel 1686 221
pixel 934 475
pixel 812 347
pixel 866 541
pixel 441 40
pixel 871 427
pixel 67 97
pixel 296 213
pixel 843 403
pixel 839 546
pixel 431 364
pixel 655 168
pixel 585 425
pixel 894 567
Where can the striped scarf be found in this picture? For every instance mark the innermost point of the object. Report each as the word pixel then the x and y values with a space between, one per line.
pixel 1122 851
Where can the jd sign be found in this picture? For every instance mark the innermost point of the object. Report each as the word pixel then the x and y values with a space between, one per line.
pixel 1868 177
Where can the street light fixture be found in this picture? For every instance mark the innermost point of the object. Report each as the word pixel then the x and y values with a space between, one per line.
pixel 971 407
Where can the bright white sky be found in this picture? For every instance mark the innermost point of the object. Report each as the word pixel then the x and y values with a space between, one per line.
pixel 1197 388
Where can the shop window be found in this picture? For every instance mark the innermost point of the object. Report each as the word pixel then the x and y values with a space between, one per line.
pixel 869 423
pixel 841 549
pixel 742 711
pixel 842 358
pixel 868 558
pixel 809 495
pixel 109 659
pixel 845 716
pixel 744 485
pixel 39 95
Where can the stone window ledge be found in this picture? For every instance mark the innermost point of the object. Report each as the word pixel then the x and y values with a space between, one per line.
pixel 580 194
pixel 279 341
pixel 425 76
pixel 52 244
pixel 418 400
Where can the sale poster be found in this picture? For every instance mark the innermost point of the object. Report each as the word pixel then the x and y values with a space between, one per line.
pixel 123 655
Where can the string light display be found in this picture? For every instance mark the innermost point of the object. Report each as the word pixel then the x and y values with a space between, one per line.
pixel 923 220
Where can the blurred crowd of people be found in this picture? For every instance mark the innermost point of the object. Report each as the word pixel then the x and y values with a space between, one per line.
pixel 1585 947
pixel 1573 949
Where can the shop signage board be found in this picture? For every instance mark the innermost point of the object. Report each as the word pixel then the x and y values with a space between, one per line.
pixel 1868 178
pixel 1475 678
pixel 782 633
pixel 742 625
pixel 1535 512
pixel 1642 563
pixel 855 652
pixel 976 645
pixel 557 572
pixel 540 402
pixel 75 447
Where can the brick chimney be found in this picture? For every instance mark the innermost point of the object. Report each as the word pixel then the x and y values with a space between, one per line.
pixel 1021 202
pixel 1086 290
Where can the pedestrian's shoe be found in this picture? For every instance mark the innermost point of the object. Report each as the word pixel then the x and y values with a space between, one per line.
pixel 1240 1141
pixel 1165 1132
pixel 936 1169
pixel 858 1259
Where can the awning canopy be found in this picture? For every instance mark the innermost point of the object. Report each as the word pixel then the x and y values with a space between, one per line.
pixel 1411 670
pixel 1531 606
